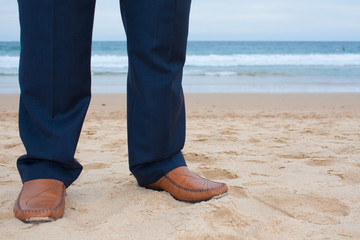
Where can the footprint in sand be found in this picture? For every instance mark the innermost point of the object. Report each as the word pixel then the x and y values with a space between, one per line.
pixel 350 176
pixel 311 208
pixel 344 149
pixel 227 217
pixel 217 173
pixel 92 166
pixel 237 192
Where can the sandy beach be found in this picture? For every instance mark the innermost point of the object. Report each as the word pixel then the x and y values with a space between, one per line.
pixel 291 161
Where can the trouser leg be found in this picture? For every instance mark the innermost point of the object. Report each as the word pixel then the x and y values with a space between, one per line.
pixel 54 76
pixel 156 39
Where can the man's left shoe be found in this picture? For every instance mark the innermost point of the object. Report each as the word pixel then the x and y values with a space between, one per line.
pixel 186 186
pixel 40 200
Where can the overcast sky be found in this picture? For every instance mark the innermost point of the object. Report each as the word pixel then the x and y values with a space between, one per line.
pixel 318 20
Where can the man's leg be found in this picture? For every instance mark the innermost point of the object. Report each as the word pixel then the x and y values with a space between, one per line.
pixel 157 36
pixel 54 78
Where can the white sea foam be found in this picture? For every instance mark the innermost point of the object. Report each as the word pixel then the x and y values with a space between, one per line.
pixel 118 64
pixel 273 60
pixel 111 61
pixel 9 65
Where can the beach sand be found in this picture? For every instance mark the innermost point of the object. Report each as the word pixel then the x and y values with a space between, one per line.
pixel 291 161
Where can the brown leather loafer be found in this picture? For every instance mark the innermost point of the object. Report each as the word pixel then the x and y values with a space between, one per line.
pixel 186 186
pixel 40 200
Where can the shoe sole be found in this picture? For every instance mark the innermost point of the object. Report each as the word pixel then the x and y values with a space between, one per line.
pixel 35 220
pixel 220 195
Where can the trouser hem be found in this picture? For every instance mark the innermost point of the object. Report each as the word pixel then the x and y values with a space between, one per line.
pixel 31 169
pixel 146 174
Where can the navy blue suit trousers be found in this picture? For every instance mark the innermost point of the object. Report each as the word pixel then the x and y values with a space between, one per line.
pixel 55 84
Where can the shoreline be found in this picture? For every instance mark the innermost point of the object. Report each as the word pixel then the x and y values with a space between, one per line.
pixel 244 101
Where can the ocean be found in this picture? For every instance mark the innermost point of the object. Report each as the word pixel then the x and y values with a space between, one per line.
pixel 226 66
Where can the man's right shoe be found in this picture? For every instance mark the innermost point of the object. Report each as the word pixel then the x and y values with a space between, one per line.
pixel 186 186
pixel 40 200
